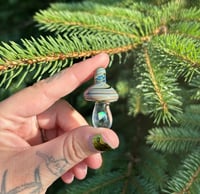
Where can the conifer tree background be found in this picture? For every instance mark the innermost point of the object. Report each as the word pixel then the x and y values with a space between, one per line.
pixel 154 47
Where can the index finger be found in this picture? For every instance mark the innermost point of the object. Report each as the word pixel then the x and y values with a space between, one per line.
pixel 37 98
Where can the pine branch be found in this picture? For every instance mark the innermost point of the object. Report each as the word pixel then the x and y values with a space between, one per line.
pixel 132 16
pixel 195 84
pixel 123 14
pixel 112 181
pixel 152 167
pixel 159 95
pixel 152 6
pixel 92 18
pixel 190 118
pixel 192 14
pixel 188 29
pixel 141 185
pixel 52 54
pixel 106 2
pixel 179 52
pixel 136 102
pixel 61 20
pixel 187 178
pixel 173 140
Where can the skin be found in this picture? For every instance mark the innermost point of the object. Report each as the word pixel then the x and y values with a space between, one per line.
pixel 27 164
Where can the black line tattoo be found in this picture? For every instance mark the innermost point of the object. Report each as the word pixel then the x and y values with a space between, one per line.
pixel 34 187
pixel 55 166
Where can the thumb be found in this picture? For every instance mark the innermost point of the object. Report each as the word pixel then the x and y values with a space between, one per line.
pixel 59 155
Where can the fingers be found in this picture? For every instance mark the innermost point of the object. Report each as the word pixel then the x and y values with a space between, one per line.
pixel 61 115
pixel 68 177
pixel 56 120
pixel 80 170
pixel 39 97
pixel 94 161
pixel 60 155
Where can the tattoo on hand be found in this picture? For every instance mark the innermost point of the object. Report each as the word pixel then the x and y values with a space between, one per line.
pixel 34 187
pixel 56 167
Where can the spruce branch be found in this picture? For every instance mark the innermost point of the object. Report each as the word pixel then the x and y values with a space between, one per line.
pixel 191 14
pixel 190 118
pixel 154 81
pixel 133 17
pixel 136 102
pixel 179 52
pixel 152 167
pixel 62 20
pixel 48 54
pixel 113 181
pixel 188 29
pixel 195 84
pixel 160 95
pixel 187 23
pixel 186 180
pixel 141 185
pixel 126 15
pixel 173 139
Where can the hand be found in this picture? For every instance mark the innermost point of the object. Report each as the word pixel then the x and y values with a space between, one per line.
pixel 30 165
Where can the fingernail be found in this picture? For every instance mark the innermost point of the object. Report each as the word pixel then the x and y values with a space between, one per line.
pixel 99 143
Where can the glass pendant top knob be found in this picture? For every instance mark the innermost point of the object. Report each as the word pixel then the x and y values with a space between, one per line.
pixel 100 91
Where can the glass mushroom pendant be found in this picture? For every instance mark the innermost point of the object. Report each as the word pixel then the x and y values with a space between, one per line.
pixel 102 94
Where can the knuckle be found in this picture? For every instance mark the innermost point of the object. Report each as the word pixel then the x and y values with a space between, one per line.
pixel 42 88
pixel 73 151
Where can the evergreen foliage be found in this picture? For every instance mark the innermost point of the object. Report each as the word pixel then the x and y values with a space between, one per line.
pixel 186 180
pixel 155 56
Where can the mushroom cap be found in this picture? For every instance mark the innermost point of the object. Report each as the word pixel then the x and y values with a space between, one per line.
pixel 101 92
